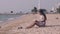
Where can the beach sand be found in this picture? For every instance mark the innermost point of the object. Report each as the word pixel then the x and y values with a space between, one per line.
pixel 52 25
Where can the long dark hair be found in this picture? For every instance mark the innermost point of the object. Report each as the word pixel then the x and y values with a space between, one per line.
pixel 41 11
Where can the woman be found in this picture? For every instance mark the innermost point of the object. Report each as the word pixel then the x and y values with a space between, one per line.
pixel 41 21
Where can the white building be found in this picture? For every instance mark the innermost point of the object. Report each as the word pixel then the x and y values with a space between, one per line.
pixel 54 8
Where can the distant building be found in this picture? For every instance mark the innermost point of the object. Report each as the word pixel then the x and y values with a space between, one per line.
pixel 54 9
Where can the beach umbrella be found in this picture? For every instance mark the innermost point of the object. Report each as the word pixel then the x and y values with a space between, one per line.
pixel 43 10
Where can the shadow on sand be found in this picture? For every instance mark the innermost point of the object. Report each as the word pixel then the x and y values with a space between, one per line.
pixel 49 26
pixel 52 26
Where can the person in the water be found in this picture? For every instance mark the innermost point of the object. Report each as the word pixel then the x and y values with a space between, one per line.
pixel 41 22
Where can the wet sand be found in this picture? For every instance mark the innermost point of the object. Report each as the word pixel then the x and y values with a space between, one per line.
pixel 52 25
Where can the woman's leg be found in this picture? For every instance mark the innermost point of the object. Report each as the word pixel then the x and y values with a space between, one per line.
pixel 31 25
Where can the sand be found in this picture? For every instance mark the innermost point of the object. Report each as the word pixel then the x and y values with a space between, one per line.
pixel 11 27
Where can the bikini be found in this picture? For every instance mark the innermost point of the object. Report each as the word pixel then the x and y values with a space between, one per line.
pixel 40 21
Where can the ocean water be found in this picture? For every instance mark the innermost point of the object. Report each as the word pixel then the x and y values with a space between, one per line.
pixel 7 17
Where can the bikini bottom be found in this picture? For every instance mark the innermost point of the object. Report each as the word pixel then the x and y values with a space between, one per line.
pixel 40 23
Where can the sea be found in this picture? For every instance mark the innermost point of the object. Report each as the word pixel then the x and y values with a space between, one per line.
pixel 4 18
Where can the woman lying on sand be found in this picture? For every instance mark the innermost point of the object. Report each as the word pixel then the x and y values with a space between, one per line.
pixel 41 21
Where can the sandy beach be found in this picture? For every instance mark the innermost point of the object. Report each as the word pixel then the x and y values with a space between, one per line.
pixel 52 25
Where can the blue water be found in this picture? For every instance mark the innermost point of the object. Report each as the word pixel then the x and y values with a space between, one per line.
pixel 6 17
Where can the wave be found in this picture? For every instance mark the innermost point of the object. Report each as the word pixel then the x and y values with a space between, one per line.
pixel 10 18
pixel 1 21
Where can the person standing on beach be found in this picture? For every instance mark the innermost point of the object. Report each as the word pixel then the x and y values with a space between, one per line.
pixel 41 21
pixel 34 11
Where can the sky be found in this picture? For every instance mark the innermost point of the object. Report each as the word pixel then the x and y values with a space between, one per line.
pixel 48 4
pixel 17 5
pixel 25 5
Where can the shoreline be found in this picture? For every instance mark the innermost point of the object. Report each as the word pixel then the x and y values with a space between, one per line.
pixel 9 19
